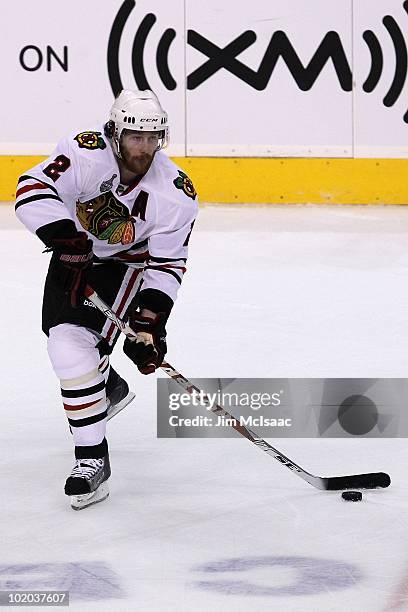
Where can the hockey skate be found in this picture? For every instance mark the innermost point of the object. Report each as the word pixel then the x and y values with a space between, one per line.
pixel 87 483
pixel 118 395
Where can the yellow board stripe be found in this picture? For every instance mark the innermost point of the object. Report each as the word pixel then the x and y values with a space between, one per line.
pixel 271 180
pixel 299 180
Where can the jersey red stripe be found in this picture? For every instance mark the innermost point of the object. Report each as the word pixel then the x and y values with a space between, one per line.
pixel 29 188
pixel 154 267
pixel 125 296
pixel 139 257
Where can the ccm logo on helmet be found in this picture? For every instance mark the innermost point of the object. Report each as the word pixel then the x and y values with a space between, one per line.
pixel 150 120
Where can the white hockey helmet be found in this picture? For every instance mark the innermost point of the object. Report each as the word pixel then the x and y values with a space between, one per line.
pixel 139 111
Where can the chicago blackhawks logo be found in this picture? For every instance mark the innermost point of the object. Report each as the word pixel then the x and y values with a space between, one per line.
pixel 107 219
pixel 184 182
pixel 90 140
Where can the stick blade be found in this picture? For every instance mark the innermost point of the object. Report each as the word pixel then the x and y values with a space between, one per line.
pixel 376 480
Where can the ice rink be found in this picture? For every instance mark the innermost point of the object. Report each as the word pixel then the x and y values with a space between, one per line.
pixel 198 525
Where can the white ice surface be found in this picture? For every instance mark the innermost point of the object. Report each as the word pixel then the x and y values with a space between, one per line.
pixel 270 292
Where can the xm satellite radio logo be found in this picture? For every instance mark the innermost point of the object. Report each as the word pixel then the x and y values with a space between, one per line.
pixel 279 47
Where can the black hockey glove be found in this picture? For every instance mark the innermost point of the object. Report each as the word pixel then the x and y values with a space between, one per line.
pixel 73 258
pixel 148 349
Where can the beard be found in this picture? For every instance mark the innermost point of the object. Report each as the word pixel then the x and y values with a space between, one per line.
pixel 137 164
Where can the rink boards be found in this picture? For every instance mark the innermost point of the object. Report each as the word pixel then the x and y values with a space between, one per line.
pixel 268 102
pixel 270 180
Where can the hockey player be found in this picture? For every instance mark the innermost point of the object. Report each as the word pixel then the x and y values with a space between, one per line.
pixel 117 214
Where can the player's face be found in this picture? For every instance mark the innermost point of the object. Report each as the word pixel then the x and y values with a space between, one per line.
pixel 138 149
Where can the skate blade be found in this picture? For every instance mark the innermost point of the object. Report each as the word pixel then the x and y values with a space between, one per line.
pixel 78 502
pixel 112 411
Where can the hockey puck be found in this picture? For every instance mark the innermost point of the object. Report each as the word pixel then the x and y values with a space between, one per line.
pixel 352 496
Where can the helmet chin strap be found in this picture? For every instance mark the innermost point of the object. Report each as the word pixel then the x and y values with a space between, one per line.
pixel 117 145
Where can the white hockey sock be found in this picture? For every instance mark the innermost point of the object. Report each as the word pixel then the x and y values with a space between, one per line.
pixel 76 362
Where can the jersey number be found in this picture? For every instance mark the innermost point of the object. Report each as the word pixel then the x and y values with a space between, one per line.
pixel 57 167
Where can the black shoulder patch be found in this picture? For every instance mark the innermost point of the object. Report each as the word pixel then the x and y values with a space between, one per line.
pixel 184 183
pixel 90 140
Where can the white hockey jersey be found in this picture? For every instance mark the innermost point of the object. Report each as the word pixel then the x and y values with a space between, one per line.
pixel 147 225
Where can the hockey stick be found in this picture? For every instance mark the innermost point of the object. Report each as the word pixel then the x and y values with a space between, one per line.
pixel 332 483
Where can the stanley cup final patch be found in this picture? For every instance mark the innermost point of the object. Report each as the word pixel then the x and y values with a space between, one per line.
pixel 107 185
